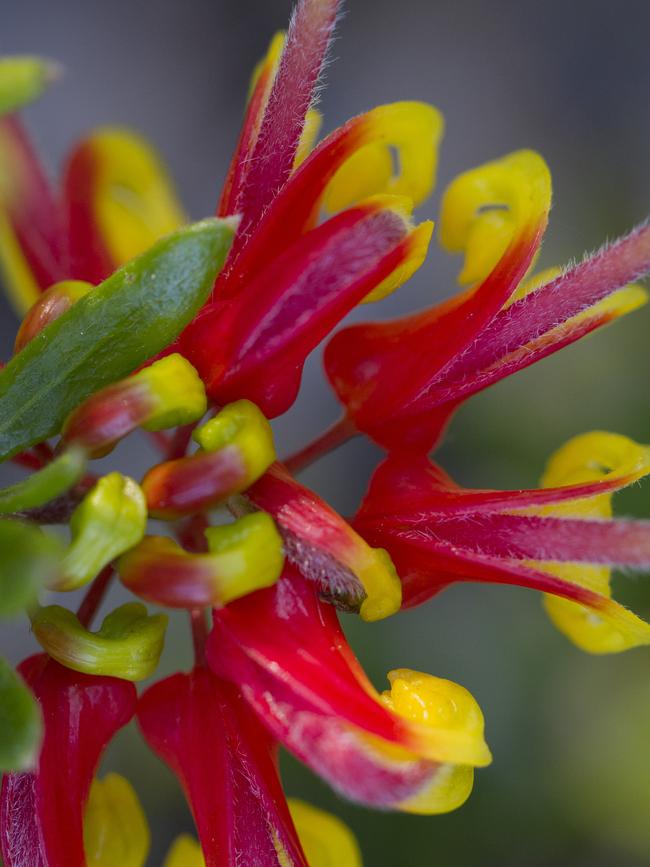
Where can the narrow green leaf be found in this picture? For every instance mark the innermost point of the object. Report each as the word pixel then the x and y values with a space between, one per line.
pixel 46 484
pixel 22 80
pixel 20 722
pixel 114 329
pixel 28 560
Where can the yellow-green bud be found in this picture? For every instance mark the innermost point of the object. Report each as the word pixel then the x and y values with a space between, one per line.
pixel 127 645
pixel 109 520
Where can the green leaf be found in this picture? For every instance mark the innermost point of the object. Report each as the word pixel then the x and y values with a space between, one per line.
pixel 28 560
pixel 20 722
pixel 22 80
pixel 46 484
pixel 114 329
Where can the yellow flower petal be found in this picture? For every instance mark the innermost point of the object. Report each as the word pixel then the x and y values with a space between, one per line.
pixel 134 201
pixel 115 828
pixel 185 852
pixel 586 458
pixel 485 209
pixel 325 839
pixel 413 130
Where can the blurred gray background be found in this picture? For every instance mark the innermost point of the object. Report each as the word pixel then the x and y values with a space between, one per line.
pixel 570 784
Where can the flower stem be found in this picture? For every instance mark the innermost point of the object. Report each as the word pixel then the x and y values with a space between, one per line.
pixel 331 439
pixel 94 596
pixel 199 633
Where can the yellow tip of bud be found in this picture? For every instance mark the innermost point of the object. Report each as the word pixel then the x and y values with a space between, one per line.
pixel 382 585
pixel 109 520
pixel 325 839
pixel 115 827
pixel 176 393
pixel 248 554
pixel 243 425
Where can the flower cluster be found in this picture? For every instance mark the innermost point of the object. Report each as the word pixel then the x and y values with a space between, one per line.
pixel 197 335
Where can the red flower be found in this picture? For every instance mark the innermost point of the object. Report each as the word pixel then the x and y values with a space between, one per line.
pixel 320 230
pixel 559 539
pixel 41 812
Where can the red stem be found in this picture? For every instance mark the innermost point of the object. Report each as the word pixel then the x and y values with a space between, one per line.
pixel 179 442
pixel 331 439
pixel 94 596
pixel 200 632
pixel 160 440
pixel 28 460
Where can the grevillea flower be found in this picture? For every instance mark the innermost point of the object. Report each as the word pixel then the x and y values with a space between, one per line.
pixel 134 321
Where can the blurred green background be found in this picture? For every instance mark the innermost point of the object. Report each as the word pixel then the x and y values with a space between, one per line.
pixel 570 783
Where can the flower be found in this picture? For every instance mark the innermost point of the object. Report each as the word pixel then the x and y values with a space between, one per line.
pixel 560 539
pixel 304 232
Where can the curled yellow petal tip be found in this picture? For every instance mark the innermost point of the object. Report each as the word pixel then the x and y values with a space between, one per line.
pixel 446 718
pixel 485 209
pixel 591 457
pixel 127 645
pixel 109 520
pixel 115 827
pixel 242 425
pixel 412 130
pixel 325 839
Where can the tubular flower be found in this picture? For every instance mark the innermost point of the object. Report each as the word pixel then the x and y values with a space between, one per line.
pixel 401 381
pixel 41 814
pixel 560 539
pixel 413 749
pixel 195 336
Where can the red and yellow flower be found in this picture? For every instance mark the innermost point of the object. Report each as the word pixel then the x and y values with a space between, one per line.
pixel 321 228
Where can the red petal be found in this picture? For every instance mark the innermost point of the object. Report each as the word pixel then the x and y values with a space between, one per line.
pixel 199 725
pixel 254 346
pixel 41 815
pixel 407 490
pixel 32 208
pixel 380 371
pixel 272 158
pixel 522 537
pixel 287 653
pixel 540 323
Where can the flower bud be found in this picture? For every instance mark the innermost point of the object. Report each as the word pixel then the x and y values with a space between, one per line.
pixel 127 645
pixel 237 449
pixel 109 520
pixel 54 302
pixel 243 556
pixel 165 394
